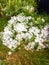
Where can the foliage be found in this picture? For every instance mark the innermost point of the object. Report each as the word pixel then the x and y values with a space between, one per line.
pixel 3 23
pixel 13 7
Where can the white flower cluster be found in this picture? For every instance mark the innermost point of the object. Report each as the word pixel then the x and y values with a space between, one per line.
pixel 18 29
pixel 40 38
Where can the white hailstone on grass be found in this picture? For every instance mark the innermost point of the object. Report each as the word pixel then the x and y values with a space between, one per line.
pixel 19 27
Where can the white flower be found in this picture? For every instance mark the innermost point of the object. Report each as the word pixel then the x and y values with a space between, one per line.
pixel 8 32
pixel 17 30
pixel 6 37
pixel 18 37
pixel 41 44
pixel 12 44
pixel 20 27
pixel 41 35
pixel 39 39
pixel 20 18
pixel 46 27
pixel 31 30
pixel 44 32
pixel 23 35
pixel 28 35
pixel 13 19
pixel 34 30
pixel 6 28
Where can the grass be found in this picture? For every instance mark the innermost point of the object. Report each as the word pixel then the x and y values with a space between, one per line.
pixel 23 57
pixel 3 48
pixel 3 23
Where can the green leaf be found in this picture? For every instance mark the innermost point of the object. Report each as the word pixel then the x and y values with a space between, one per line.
pixel 36 46
pixel 32 38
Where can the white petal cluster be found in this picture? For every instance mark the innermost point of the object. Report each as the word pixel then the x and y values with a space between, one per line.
pixel 20 18
pixel 18 29
pixel 12 20
pixel 34 30
pixel 40 38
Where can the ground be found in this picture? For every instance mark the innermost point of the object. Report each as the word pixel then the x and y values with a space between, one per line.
pixel 23 57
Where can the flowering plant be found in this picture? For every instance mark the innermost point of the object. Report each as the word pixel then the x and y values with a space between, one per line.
pixel 21 28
